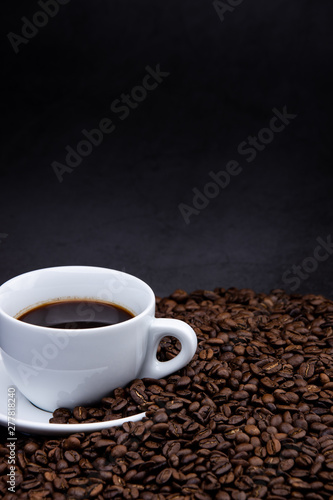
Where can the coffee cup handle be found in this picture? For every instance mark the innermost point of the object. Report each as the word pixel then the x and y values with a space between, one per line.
pixel 163 327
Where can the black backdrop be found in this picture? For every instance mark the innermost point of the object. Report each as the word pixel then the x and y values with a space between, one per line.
pixel 227 68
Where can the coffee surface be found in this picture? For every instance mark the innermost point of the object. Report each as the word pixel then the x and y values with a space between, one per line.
pixel 76 314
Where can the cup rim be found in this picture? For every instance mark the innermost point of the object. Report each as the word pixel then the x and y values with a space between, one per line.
pixel 82 330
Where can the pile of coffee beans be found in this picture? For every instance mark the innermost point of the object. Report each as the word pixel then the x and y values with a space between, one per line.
pixel 250 417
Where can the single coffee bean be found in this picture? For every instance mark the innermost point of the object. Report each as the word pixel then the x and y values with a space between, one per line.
pixel 72 456
pixel 30 447
pixel 252 430
pixel 95 490
pixel 76 492
pixel 71 443
pixel 80 413
pixel 286 465
pixel 78 481
pixel 164 476
pixel 60 483
pixel 118 451
pixel 273 446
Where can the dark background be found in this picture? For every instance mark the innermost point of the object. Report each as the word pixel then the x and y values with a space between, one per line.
pixel 119 207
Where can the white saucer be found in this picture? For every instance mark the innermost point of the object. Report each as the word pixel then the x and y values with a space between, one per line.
pixel 29 418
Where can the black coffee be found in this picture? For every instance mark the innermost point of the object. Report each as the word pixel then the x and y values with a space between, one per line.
pixel 76 314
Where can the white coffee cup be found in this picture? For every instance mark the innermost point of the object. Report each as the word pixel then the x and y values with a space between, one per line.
pixel 64 367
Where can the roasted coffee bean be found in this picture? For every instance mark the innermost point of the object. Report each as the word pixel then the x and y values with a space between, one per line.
pixel 72 456
pixel 252 430
pixel 80 413
pixel 71 443
pixel 62 412
pixel 94 490
pixel 164 476
pixel 118 451
pixel 79 481
pixel 30 447
pixel 76 492
pixel 60 483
